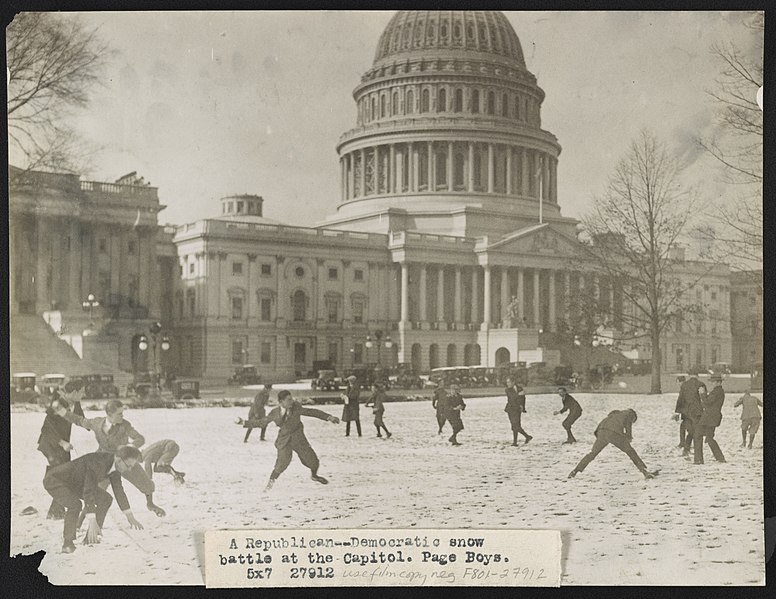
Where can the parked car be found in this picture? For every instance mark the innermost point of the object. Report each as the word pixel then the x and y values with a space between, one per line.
pixel 23 387
pixel 366 376
pixel 52 382
pixel 516 370
pixel 185 389
pixel 326 380
pixel 99 386
pixel 245 375
pixel 405 377
pixel 722 368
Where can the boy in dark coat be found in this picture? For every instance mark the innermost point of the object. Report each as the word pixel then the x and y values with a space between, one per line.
pixel 615 429
pixel 680 413
pixel 351 408
pixel 690 405
pixel 750 416
pixel 438 402
pixel 54 442
pixel 291 437
pixel 71 482
pixel 515 409
pixel 454 405
pixel 378 409
pixel 709 420
pixel 259 410
pixel 575 411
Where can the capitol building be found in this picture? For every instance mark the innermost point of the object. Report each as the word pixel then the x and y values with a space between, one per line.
pixel 447 234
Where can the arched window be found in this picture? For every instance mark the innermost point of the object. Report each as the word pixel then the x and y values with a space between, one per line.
pixel 491 103
pixel 441 168
pixel 442 100
pixel 373 115
pixel 409 106
pixel 452 355
pixel 299 305
pixel 458 105
pixel 517 107
pixel 423 182
pixel 382 106
pixel 433 356
pixel 477 170
pixel 505 105
pixel 395 104
pixel 424 101
pixel 458 170
pixel 476 101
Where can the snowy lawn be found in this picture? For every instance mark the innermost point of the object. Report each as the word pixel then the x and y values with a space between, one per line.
pixel 692 525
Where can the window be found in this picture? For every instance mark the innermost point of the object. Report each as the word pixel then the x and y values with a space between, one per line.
pixel 477 170
pixel 237 351
pixel 714 319
pixel 458 168
pixel 409 106
pixel 299 302
pixel 504 105
pixel 373 115
pixel 237 268
pixel 332 307
pixel 358 312
pixel 240 205
pixel 191 268
pixel 517 107
pixel 130 247
pixel 424 101
pixel 395 103
pixel 491 103
pixel 458 102
pixel 358 274
pixel 699 355
pixel 266 308
pixel 333 274
pixel 299 271
pixel 476 101
pixel 180 270
pixel 265 355
pixel 714 354
pixel 442 100
pixel 713 295
pixel 441 168
pixel 266 269
pixel 237 308
pixel 231 207
pixel 382 105
pixel 358 353
pixel 103 245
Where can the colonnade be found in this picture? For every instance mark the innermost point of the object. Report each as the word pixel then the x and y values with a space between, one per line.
pixel 448 166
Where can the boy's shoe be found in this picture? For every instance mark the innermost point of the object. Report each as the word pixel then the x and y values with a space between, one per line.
pixel 270 482
pixel 388 435
pixel 319 479
pixel 68 547
pixel 573 473
pixel 456 443
pixel 528 438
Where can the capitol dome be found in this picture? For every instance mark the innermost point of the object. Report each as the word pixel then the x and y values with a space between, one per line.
pixel 483 31
pixel 448 119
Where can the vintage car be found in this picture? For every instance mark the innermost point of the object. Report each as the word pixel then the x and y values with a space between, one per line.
pixel 405 377
pixel 366 376
pixel 516 370
pixel 185 389
pixel 99 386
pixel 52 382
pixel 451 375
pixel 245 375
pixel 23 387
pixel 326 380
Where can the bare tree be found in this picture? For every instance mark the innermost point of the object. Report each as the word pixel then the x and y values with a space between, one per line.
pixel 53 64
pixel 738 148
pixel 632 235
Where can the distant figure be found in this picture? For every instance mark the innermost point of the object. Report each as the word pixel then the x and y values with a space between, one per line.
pixel 54 442
pixel 709 420
pixel 378 409
pixel 680 412
pixel 158 457
pixel 259 410
pixel 454 405
pixel 575 411
pixel 615 429
pixel 439 403
pixel 291 437
pixel 515 409
pixel 750 416
pixel 71 482
pixel 690 404
pixel 351 409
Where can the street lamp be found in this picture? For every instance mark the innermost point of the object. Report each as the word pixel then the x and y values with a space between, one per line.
pixel 378 336
pixel 142 344
pixel 90 303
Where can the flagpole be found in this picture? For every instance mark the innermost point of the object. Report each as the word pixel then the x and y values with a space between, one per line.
pixel 541 203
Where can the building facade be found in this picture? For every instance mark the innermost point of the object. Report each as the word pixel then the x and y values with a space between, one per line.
pixel 746 319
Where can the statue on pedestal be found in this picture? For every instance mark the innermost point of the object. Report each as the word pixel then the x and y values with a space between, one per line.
pixel 513 312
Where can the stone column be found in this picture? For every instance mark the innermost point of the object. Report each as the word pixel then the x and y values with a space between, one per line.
pixel 376 170
pixel 526 174
pixel 554 181
pixel 458 308
pixel 450 185
pixel 567 295
pixel 422 295
pixel 470 183
pixel 352 176
pixel 74 294
pixel 504 292
pixel 509 170
pixel 520 295
pixel 347 309
pixel 318 307
pixel 536 294
pixel 441 293
pixel 405 300
pixel 430 165
pixel 282 302
pixel 486 292
pixel 475 307
pixel 363 172
pixel 491 168
pixel 551 323
pixel 411 176
pixel 342 179
pixel 392 170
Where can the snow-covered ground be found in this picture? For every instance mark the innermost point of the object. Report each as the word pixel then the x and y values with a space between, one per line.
pixel 692 525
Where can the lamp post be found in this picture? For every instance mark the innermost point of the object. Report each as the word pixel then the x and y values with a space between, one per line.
pixel 378 335
pixel 155 330
pixel 90 303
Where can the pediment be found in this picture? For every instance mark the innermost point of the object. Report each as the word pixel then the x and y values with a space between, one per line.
pixel 537 239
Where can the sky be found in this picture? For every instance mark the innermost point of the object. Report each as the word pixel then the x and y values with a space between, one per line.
pixel 207 104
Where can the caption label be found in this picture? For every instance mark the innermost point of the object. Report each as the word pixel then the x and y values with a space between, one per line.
pixel 308 558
